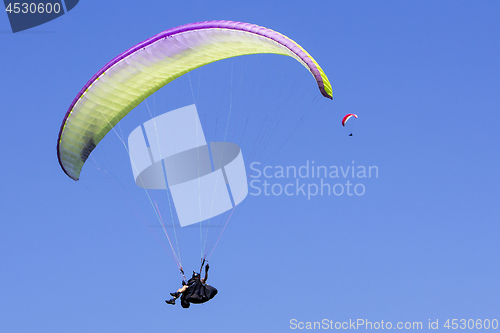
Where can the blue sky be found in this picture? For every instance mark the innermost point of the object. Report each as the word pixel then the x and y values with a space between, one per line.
pixel 421 243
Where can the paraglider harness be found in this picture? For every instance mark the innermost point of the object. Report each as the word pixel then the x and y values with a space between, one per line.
pixel 197 291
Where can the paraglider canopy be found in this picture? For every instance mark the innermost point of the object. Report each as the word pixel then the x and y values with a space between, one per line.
pixel 132 76
pixel 347 117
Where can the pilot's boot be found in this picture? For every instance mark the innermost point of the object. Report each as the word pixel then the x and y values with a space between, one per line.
pixel 171 301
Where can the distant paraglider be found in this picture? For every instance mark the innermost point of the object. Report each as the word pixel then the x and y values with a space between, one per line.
pixel 347 117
